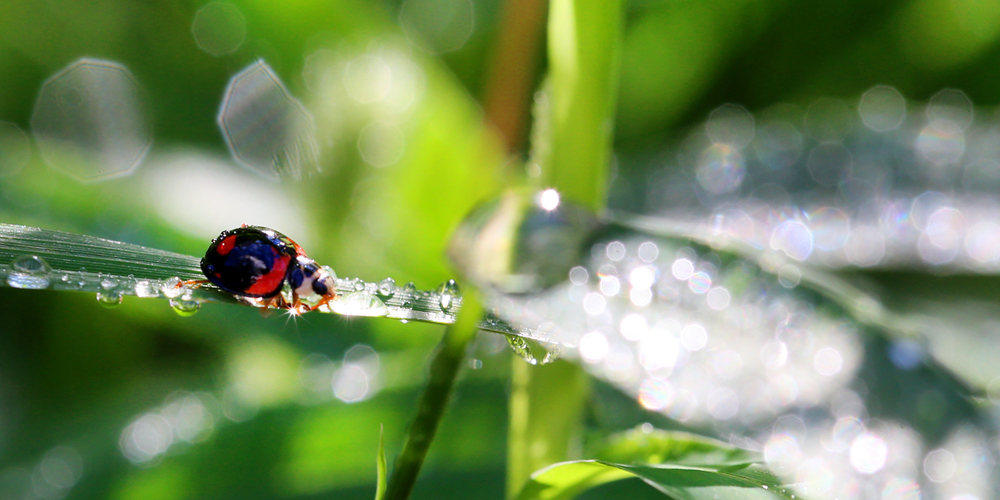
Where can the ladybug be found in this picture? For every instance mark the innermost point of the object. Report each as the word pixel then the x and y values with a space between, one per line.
pixel 256 262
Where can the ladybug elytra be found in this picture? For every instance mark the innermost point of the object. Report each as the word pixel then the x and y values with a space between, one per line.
pixel 256 262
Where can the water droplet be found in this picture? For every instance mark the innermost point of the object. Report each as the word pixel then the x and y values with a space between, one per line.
pixel 532 351
pixel 185 307
pixel 448 292
pixel 146 289
pixel 410 288
pixel 109 299
pixel 386 288
pixel 172 288
pixel 520 347
pixel 29 271
pixel 359 285
pixel 108 283
pixel 359 304
pixel 518 243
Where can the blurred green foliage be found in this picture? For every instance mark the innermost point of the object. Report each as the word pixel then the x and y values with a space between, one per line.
pixel 75 374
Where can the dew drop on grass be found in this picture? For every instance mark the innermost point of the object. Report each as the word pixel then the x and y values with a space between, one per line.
pixel 386 288
pixel 109 298
pixel 359 304
pixel 448 293
pixel 184 307
pixel 29 271
pixel 532 351
pixel 146 289
pixel 410 288
pixel 522 242
pixel 520 347
pixel 172 288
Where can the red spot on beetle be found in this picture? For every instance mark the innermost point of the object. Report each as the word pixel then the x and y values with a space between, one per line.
pixel 272 280
pixel 226 245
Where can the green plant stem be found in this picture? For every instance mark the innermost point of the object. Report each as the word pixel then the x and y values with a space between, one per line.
pixel 584 37
pixel 575 144
pixel 545 406
pixel 443 371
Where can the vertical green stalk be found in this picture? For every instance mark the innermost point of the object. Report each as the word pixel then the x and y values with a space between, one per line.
pixel 584 45
pixel 547 402
pixel 443 371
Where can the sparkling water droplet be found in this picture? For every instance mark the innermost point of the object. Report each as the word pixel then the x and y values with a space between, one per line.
pixel 386 288
pixel 108 283
pixel 359 285
pixel 521 242
pixel 146 289
pixel 185 307
pixel 410 288
pixel 172 288
pixel 520 347
pixel 532 351
pixel 448 292
pixel 359 304
pixel 29 271
pixel 109 299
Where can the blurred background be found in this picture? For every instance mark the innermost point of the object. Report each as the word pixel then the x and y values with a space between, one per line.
pixel 123 119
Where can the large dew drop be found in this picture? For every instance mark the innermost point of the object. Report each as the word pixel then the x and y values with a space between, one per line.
pixel 522 242
pixel 29 271
pixel 359 304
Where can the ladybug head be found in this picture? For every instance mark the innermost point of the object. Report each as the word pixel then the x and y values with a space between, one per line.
pixel 308 278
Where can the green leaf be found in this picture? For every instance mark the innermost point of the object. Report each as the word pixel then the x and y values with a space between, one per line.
pixel 566 480
pixel 680 464
pixel 672 447
pixel 381 465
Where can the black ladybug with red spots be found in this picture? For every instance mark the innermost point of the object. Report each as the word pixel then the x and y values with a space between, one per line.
pixel 256 262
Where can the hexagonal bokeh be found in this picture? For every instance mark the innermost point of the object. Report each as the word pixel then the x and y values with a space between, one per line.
pixel 266 128
pixel 89 121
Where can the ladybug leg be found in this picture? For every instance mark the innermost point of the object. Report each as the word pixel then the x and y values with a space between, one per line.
pixel 192 283
pixel 298 306
pixel 324 301
pixel 276 302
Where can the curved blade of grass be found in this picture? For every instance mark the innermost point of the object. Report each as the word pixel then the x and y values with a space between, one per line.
pixel 89 264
